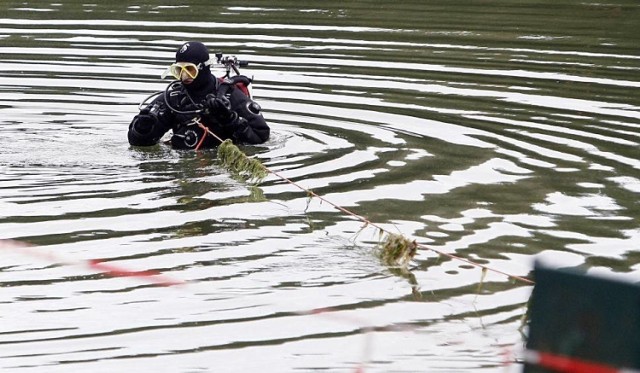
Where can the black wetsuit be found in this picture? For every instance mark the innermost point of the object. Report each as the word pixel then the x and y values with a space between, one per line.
pixel 245 124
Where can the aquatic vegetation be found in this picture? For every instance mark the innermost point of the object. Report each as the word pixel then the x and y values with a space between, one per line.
pixel 233 159
pixel 310 196
pixel 397 250
pixel 483 275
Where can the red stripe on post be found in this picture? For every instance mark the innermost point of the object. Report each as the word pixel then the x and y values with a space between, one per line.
pixel 569 364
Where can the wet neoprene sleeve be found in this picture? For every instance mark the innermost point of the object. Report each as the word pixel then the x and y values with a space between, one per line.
pixel 250 127
pixel 148 127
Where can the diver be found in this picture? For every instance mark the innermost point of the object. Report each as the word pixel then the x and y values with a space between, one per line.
pixel 198 105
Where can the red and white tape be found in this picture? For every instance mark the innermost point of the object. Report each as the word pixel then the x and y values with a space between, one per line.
pixel 150 276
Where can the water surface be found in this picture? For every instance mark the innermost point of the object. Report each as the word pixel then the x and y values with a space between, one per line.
pixel 497 131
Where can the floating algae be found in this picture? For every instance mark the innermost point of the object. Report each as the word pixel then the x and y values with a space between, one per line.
pixel 397 250
pixel 233 159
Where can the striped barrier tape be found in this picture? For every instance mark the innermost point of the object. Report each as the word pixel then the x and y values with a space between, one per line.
pixel 150 276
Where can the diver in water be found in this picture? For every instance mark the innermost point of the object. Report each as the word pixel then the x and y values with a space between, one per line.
pixel 198 104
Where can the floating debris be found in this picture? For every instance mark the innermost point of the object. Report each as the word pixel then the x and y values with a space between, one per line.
pixel 233 159
pixel 482 277
pixel 397 250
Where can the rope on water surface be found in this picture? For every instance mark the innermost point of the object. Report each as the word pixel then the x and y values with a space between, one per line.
pixel 396 249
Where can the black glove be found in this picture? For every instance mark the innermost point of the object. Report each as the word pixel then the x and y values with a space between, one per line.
pixel 241 125
pixel 219 109
pixel 143 124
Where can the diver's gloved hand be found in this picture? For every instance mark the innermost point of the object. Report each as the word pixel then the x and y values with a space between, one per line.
pixel 143 123
pixel 241 127
pixel 219 109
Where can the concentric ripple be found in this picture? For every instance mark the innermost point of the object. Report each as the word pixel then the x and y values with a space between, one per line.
pixel 503 134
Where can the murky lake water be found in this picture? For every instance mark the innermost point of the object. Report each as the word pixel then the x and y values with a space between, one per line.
pixel 497 131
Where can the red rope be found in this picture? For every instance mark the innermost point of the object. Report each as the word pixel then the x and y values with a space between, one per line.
pixel 204 134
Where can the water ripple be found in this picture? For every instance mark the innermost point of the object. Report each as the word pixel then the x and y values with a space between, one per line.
pixel 497 143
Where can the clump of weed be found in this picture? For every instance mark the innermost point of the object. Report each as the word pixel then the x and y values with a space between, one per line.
pixel 397 250
pixel 233 159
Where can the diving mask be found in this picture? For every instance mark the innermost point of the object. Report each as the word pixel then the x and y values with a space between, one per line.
pixel 191 69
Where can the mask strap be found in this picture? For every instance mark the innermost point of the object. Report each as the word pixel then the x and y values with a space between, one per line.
pixel 206 63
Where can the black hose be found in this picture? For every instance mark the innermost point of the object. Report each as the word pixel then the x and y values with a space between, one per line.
pixel 166 100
